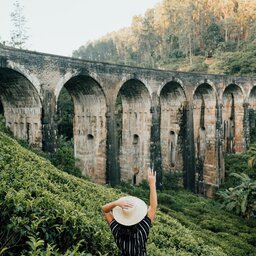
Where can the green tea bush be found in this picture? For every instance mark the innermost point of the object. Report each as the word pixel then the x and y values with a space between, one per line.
pixel 45 211
pixel 37 200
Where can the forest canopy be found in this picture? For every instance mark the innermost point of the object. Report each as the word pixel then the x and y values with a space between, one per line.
pixel 191 35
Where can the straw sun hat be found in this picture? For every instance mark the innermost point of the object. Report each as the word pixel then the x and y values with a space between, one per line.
pixel 131 215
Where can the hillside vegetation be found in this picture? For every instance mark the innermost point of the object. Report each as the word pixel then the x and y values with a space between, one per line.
pixel 44 211
pixel 196 36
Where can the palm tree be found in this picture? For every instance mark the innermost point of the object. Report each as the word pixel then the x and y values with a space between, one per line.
pixel 252 156
pixel 241 198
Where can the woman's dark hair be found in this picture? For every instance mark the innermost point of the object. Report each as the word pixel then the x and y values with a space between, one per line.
pixel 128 231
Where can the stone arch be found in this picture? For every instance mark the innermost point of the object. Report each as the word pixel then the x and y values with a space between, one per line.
pixel 232 117
pixel 22 106
pixel 172 101
pixel 69 75
pixel 174 80
pixel 210 86
pixel 204 127
pixel 133 77
pixel 64 79
pixel 89 126
pixel 252 98
pixel 26 73
pixel 133 128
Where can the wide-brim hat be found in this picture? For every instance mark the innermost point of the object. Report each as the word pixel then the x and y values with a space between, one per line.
pixel 131 215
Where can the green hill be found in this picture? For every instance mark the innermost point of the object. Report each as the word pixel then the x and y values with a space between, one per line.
pixel 44 211
pixel 216 37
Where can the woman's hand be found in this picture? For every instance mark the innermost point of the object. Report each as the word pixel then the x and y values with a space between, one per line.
pixel 151 177
pixel 153 195
pixel 123 204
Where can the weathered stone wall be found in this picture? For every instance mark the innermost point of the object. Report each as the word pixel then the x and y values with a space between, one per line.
pixel 171 121
pixel 204 114
pixel 25 123
pixel 172 100
pixel 22 107
pixel 135 138
pixel 89 127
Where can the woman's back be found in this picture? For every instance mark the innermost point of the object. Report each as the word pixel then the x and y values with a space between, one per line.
pixel 131 240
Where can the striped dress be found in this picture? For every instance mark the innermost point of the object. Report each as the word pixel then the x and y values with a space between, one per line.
pixel 131 240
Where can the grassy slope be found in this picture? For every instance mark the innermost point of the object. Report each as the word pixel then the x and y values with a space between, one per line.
pixel 37 200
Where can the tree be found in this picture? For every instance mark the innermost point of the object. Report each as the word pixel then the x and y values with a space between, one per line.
pixel 19 35
pixel 252 156
pixel 240 63
pixel 242 198
pixel 212 38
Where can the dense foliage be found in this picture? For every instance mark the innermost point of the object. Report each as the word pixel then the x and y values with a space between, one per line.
pixel 202 36
pixel 238 192
pixel 237 163
pixel 44 211
pixel 65 113
pixel 241 198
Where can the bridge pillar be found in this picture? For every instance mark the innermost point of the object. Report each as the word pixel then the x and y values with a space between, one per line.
pixel 155 147
pixel 49 127
pixel 112 168
pixel 246 125
pixel 188 149
pixel 220 146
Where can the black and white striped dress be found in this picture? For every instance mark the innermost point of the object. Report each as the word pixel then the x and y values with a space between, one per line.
pixel 131 240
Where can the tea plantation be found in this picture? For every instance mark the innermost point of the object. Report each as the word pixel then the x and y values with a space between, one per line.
pixel 45 211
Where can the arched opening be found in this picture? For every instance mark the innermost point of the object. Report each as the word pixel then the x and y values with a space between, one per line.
pixel 135 174
pixel 21 107
pixel 172 123
pixel 87 113
pixel 172 144
pixel 90 137
pixel 133 121
pixel 135 139
pixel 232 116
pixel 136 157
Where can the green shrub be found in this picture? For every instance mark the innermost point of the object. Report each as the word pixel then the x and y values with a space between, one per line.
pixel 45 211
pixel 173 180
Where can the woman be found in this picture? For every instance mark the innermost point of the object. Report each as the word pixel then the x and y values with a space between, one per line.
pixel 130 220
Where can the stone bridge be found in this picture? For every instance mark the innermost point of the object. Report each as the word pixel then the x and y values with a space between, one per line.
pixel 176 122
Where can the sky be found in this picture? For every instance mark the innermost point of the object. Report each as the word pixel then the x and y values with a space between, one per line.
pixel 62 26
